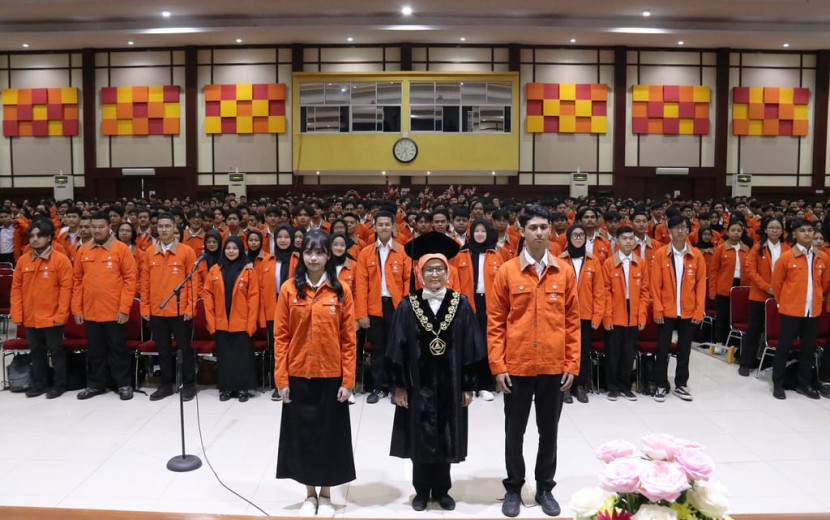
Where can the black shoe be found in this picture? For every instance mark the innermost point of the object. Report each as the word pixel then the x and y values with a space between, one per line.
pixel 510 506
pixel 373 397
pixel 419 503
pixel 88 393
pixel 243 396
pixel 581 394
pixel 275 395
pixel 683 393
pixel 779 393
pixel 224 396
pixel 629 395
pixel 125 393
pixel 54 393
pixel 162 392
pixel 446 502
pixel 825 390
pixel 35 392
pixel 188 392
pixel 567 397
pixel 743 371
pixel 806 391
pixel 613 395
pixel 549 504
pixel 660 394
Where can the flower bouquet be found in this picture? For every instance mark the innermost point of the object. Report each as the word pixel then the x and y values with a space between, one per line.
pixel 667 480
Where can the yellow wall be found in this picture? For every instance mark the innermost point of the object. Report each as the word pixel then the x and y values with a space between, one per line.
pixel 372 152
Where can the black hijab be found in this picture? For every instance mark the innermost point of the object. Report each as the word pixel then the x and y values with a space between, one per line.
pixel 212 257
pixel 575 252
pixel 254 253
pixel 231 269
pixel 700 243
pixel 284 255
pixel 480 248
pixel 340 260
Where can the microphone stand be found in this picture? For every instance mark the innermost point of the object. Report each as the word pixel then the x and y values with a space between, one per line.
pixel 183 462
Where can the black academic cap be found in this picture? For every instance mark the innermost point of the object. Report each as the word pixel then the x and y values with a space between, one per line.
pixel 431 243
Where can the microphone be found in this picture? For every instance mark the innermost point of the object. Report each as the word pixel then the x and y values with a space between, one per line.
pixel 199 260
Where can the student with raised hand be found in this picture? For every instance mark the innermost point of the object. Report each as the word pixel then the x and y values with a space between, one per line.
pixel 760 265
pixel 314 369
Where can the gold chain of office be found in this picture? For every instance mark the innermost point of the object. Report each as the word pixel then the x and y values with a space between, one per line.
pixel 437 346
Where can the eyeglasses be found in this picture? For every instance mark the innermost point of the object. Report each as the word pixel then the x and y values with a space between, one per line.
pixel 435 270
pixel 578 235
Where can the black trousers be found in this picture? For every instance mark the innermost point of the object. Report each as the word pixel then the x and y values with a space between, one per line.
pixel 722 319
pixel 433 477
pixel 269 328
pixel 107 350
pixel 486 381
pixel 586 331
pixel 163 328
pixel 380 328
pixel 42 341
pixel 620 357
pixel 749 344
pixel 516 412
pixel 685 330
pixel 792 327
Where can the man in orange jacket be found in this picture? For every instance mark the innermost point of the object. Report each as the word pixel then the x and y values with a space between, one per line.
pixel 166 265
pixel 533 337
pixel 678 286
pixel 381 280
pixel 104 288
pixel 40 297
pixel 799 282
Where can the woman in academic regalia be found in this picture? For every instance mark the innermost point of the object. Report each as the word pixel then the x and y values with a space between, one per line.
pixel 314 369
pixel 437 351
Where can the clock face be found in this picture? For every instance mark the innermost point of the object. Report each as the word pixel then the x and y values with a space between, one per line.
pixel 405 150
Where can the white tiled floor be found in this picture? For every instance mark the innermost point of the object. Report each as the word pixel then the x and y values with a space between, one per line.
pixel 108 454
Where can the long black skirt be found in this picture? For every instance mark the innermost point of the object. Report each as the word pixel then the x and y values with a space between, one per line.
pixel 315 434
pixel 235 361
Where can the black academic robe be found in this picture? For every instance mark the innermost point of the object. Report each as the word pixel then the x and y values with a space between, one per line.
pixel 434 427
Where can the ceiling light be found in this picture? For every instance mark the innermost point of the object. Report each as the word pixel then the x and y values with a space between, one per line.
pixel 130 42
pixel 463 39
pixel 349 39
pixel 681 42
pixel 639 30
pixel 573 40
pixel 25 45
pixel 318 173
pixel 383 172
pixel 428 173
pixel 493 173
pixel 165 14
pixel 786 45
pixel 239 40
pixel 171 30
pixel 409 27
pixel 406 10
pixel 646 13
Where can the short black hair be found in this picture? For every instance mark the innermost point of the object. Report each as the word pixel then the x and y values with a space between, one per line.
pixel 501 214
pixel 533 211
pixel 801 222
pixel 624 229
pixel 72 211
pixel 167 215
pixel 382 213
pixel 44 227
pixel 677 220
pixel 439 211
pixel 460 211
pixel 100 215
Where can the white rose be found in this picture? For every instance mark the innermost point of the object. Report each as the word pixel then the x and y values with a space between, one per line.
pixel 587 501
pixel 652 512
pixel 708 497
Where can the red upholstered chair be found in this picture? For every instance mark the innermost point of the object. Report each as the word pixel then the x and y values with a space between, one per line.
pixel 738 313
pixel 597 355
pixel 260 340
pixel 13 347
pixel 772 332
pixel 647 347
pixel 74 336
pixel 203 342
pixel 5 300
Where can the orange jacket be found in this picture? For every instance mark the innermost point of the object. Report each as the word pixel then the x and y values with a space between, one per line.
pixel 510 249
pixel 264 265
pixel 723 269
pixel 66 242
pixel 347 274
pixel 145 241
pixel 21 235
pixel 591 288
pixel 104 280
pixel 464 266
pixel 41 290
pixel 692 288
pixel 602 247
pixel 196 241
pixel 638 292
pixel 314 336
pixel 160 273
pixel 138 255
pixel 533 324
pixel 661 234
pixel 651 250
pixel 367 279
pixel 789 282
pixel 244 303
pixel 759 272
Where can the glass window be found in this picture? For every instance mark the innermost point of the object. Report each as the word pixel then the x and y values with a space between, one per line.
pixel 361 106
pixel 337 93
pixel 473 93
pixel 468 106
pixel 364 94
pixel 390 92
pixel 312 93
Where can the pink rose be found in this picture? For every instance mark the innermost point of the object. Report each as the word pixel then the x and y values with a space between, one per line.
pixel 621 476
pixel 615 450
pixel 696 464
pixel 662 481
pixel 660 446
pixel 685 443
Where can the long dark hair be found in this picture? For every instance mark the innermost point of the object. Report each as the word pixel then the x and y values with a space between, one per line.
pixel 316 239
pixel 762 233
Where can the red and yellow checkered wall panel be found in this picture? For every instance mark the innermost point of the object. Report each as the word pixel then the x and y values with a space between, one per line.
pixel 245 108
pixel 40 112
pixel 150 110
pixel 670 109
pixel 770 111
pixel 567 108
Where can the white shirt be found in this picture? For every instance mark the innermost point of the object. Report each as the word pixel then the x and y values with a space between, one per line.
pixel 642 245
pixel 321 282
pixel 589 243
pixel 774 253
pixel 165 247
pixel 384 254
pixel 339 268
pixel 540 266
pixel 737 249
pixel 480 282
pixel 434 299
pixel 577 266
pixel 626 263
pixel 277 272
pixel 678 273
pixel 7 239
pixel 272 240
pixel 808 306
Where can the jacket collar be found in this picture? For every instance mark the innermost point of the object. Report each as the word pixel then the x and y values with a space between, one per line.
pixel 393 245
pixel 618 258
pixel 743 247
pixel 565 254
pixel 106 245
pixel 44 255
pixel 688 248
pixel 797 251
pixel 523 263
pixel 173 247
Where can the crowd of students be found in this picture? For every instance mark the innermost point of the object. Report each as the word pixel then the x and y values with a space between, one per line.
pixel 88 260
